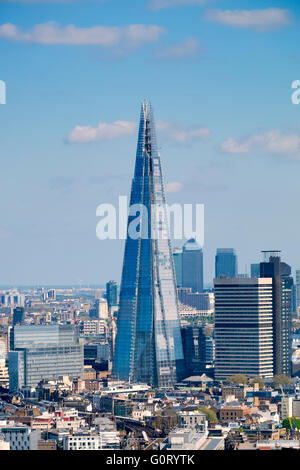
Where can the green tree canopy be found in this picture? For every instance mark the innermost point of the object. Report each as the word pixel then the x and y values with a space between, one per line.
pixel 237 379
pixel 281 379
pixel 286 423
pixel 209 413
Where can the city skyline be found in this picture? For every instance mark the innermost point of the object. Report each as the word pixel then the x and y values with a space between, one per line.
pixel 227 127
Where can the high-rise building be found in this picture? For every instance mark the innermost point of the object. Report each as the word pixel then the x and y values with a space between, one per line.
pixel 43 352
pixel 177 255
pixel 112 294
pixel 298 288
pixel 148 344
pixel 226 263
pixel 18 316
pixel 194 350
pixel 282 309
pixel 243 327
pixel 192 265
pixel 99 309
pixel 51 294
pixel 255 270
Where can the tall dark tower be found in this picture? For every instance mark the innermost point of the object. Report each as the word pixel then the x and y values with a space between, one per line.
pixel 282 310
pixel 148 343
pixel 192 266
pixel 111 294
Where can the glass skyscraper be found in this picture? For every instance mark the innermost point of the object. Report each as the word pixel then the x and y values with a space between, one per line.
pixel 111 294
pixel 148 343
pixel 226 263
pixel 282 309
pixel 192 265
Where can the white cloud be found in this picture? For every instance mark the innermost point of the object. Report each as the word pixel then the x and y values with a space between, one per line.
pixel 173 187
pixel 52 33
pixel 159 4
pixel 104 131
pixel 261 20
pixel 273 142
pixel 186 48
pixel 168 130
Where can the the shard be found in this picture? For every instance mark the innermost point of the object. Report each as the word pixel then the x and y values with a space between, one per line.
pixel 148 344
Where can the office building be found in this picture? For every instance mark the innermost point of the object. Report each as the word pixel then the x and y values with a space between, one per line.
pixel 18 316
pixel 210 351
pixel 194 350
pixel 226 263
pixel 255 270
pixel 43 352
pixel 20 436
pixel 177 255
pixel 203 302
pixel 99 310
pixel 280 273
pixel 111 294
pixel 148 345
pixel 298 288
pixel 243 327
pixel 192 266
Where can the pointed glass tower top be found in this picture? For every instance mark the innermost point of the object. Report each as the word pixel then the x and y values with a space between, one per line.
pixel 148 344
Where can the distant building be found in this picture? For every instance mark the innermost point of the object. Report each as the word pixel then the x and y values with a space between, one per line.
pixel 18 316
pixel 282 310
pixel 193 420
pixel 20 436
pixel 51 294
pixel 194 350
pixel 12 298
pixel 177 255
pixel 202 301
pixel 43 352
pixel 226 263
pixel 243 327
pixel 210 351
pixel 94 327
pixel 111 294
pixel 102 440
pixel 255 270
pixel 99 310
pixel 192 266
pixel 298 288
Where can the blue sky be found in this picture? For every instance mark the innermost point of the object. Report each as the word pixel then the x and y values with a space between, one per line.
pixel 218 74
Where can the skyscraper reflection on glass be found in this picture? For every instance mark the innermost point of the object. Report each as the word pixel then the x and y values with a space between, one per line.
pixel 148 343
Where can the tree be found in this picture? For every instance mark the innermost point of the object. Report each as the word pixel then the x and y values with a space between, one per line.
pixel 286 423
pixel 258 380
pixel 281 379
pixel 209 413
pixel 238 379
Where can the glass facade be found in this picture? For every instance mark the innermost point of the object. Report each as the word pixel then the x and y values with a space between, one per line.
pixel 226 263
pixel 43 352
pixel 194 348
pixel 111 294
pixel 192 266
pixel 282 311
pixel 177 254
pixel 148 343
pixel 243 327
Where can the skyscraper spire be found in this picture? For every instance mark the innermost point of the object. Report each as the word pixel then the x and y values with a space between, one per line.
pixel 148 344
